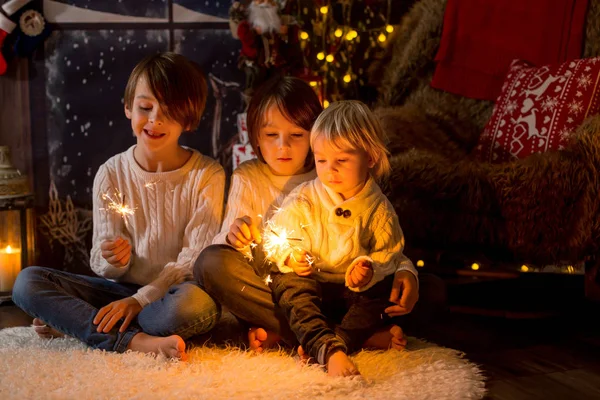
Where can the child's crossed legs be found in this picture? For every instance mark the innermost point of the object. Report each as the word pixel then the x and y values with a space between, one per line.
pixel 302 301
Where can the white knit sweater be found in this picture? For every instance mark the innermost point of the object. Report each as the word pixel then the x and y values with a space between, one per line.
pixel 256 191
pixel 177 214
pixel 339 233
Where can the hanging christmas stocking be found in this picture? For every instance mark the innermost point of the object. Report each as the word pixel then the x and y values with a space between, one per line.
pixel 31 25
pixel 6 27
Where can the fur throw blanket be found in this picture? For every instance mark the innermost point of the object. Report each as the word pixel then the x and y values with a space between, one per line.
pixel 541 209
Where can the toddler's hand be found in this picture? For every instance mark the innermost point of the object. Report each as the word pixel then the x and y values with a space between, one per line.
pixel 242 232
pixel 116 252
pixel 299 263
pixel 361 274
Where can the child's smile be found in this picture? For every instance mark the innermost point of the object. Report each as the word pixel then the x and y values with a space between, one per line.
pixel 153 134
pixel 154 130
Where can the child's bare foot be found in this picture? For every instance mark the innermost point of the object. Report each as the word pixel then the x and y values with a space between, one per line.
pixel 44 331
pixel 304 358
pixel 388 337
pixel 259 339
pixel 171 346
pixel 339 364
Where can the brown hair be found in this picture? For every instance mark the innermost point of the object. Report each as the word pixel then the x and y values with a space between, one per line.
pixel 294 98
pixel 349 124
pixel 177 83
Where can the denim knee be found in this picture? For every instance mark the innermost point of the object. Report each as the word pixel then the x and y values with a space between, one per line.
pixel 186 310
pixel 26 286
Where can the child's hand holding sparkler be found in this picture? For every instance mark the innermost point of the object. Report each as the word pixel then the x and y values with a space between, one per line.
pixel 242 232
pixel 116 252
pixel 361 274
pixel 300 262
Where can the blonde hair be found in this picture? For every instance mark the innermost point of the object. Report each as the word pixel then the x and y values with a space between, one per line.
pixel 349 124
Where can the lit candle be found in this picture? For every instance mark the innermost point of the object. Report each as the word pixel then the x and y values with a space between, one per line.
pixel 10 265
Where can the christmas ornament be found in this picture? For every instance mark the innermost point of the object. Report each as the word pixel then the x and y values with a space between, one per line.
pixel 32 28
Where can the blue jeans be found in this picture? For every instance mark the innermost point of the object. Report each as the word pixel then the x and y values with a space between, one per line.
pixel 69 303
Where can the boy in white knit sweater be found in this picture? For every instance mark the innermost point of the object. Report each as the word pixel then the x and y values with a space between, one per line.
pixel 142 299
pixel 280 116
pixel 346 241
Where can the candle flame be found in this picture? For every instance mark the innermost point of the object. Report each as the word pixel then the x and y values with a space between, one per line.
pixel 9 249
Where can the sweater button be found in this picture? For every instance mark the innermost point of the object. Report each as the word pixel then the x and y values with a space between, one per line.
pixel 347 213
pixel 339 212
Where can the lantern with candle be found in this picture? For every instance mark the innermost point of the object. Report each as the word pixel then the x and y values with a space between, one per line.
pixel 16 223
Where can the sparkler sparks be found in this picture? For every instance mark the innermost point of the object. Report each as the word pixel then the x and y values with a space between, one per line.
pixel 278 240
pixel 116 204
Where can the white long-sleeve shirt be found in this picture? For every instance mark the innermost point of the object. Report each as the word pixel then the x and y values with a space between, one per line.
pixel 177 214
pixel 339 233
pixel 256 191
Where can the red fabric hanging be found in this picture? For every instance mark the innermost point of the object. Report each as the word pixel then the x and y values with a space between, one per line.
pixel 480 38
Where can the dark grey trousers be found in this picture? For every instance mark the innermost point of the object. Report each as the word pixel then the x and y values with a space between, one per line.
pixel 238 285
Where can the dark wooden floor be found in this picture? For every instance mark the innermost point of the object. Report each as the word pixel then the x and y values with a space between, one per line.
pixel 543 345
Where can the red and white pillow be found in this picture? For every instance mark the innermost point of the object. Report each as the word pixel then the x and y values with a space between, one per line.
pixel 539 108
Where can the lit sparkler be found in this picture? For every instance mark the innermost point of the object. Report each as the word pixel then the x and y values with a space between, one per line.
pixel 278 240
pixel 116 204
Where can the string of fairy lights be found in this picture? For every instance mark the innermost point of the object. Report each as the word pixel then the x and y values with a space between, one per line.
pixel 338 44
pixel 563 269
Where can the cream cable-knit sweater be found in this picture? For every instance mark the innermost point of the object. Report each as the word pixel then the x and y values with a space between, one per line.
pixel 256 191
pixel 177 214
pixel 340 233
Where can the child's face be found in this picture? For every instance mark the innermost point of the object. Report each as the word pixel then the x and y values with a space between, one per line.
pixel 153 130
pixel 343 170
pixel 283 145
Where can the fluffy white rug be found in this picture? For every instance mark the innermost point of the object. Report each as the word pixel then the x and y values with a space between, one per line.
pixel 32 368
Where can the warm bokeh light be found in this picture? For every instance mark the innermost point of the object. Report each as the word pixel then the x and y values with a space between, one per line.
pixel 420 263
pixel 389 29
pixel 351 35
pixel 475 266
pixel 303 35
